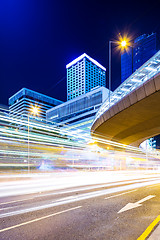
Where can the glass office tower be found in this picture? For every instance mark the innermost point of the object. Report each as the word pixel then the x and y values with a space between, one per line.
pixel 126 65
pixel 144 47
pixel 84 74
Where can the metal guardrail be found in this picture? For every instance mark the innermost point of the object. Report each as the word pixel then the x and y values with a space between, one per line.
pixel 140 76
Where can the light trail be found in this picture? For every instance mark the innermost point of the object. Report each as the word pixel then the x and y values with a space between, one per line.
pixel 77 198
pixel 62 147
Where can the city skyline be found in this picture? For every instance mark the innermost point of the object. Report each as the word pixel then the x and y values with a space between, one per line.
pixel 38 40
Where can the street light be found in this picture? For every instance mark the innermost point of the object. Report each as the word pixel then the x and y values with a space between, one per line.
pixel 34 110
pixel 123 43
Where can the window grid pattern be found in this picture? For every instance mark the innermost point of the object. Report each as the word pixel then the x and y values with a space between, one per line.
pixel 95 76
pixel 144 47
pixel 21 103
pixel 76 107
pixel 82 77
pixel 76 80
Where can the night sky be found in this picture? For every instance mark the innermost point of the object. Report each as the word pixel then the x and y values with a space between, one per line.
pixel 39 37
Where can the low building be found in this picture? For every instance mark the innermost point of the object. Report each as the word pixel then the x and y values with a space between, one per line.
pixel 4 109
pixel 4 113
pixel 21 103
pixel 78 113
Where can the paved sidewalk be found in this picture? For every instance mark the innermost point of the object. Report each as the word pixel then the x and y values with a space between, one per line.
pixel 156 234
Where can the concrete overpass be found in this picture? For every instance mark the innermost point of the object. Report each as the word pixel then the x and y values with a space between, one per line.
pixel 133 113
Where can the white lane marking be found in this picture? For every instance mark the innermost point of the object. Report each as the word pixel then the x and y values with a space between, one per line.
pixel 146 198
pixel 77 198
pixel 38 219
pixel 136 204
pixel 14 192
pixel 64 199
pixel 120 194
pixel 82 189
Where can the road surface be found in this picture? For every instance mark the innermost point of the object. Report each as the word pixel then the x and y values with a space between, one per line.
pixel 112 210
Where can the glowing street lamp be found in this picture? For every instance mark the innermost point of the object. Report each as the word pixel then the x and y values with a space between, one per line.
pixel 34 111
pixel 123 43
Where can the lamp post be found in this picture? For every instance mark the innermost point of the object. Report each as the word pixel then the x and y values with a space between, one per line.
pixel 110 43
pixel 34 111
pixel 122 44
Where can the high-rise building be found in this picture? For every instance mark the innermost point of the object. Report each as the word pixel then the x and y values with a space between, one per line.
pixel 83 74
pixel 144 47
pixel 126 64
pixel 21 102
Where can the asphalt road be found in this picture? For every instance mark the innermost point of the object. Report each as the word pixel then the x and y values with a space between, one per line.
pixel 81 212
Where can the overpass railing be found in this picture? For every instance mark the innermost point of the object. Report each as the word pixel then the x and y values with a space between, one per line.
pixel 140 76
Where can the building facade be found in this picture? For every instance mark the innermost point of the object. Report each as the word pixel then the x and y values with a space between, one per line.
pixel 20 103
pixel 80 111
pixel 4 110
pixel 144 47
pixel 84 74
pixel 4 113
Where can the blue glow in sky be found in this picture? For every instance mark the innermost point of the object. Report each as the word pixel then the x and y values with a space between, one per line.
pixel 38 38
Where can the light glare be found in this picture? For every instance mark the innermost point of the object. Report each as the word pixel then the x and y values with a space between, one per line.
pixel 123 43
pixel 35 110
